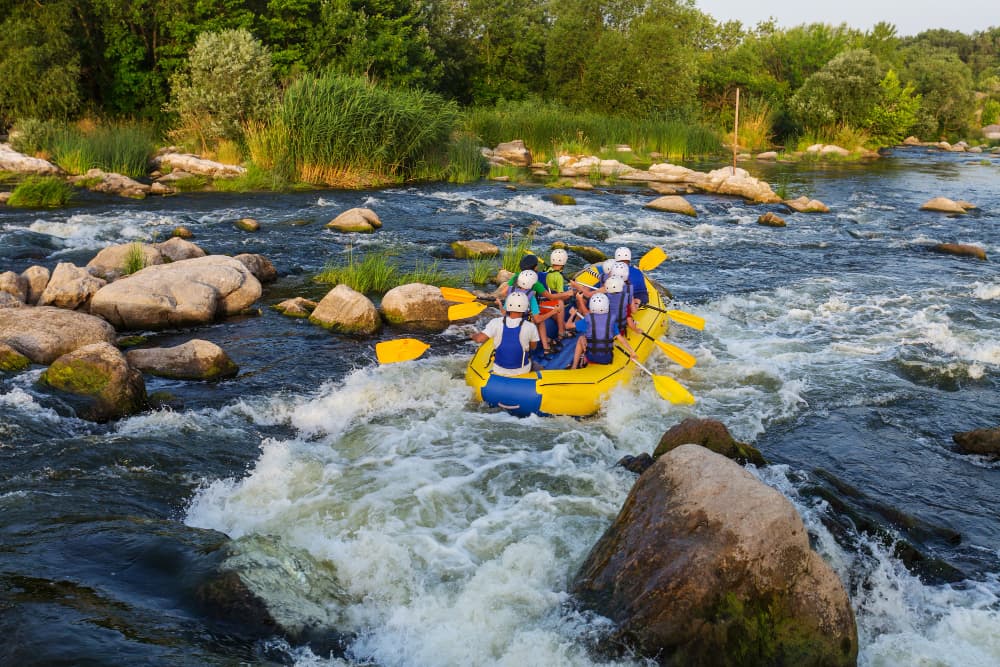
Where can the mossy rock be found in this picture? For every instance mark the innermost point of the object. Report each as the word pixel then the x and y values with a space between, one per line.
pixel 248 225
pixel 99 374
pixel 131 341
pixel 12 361
pixel 562 200
pixel 588 253
pixel 182 232
pixel 712 435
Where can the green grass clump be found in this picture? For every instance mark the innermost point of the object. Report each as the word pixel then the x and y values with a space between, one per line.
pixel 482 270
pixel 31 135
pixel 344 131
pixel 135 259
pixel 516 248
pixel 189 184
pixel 465 161
pixel 254 180
pixel 41 192
pixel 378 272
pixel 121 149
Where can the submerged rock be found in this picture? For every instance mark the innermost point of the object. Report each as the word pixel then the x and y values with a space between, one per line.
pixel 588 253
pixel 297 307
pixel 712 435
pixel 805 205
pixel 44 333
pixel 192 291
pixel 99 372
pixel 981 441
pixel 770 219
pixel 562 200
pixel 960 249
pixel 194 360
pixel 346 310
pixel 247 225
pixel 417 306
pixel 706 565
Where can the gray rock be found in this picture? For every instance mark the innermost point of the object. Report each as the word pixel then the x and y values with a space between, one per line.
pixel 297 307
pixel 191 291
pixel 672 204
pixel 11 160
pixel 363 220
pixel 15 285
pixel 44 333
pixel 99 372
pixel 416 306
pixel 38 278
pixel 110 262
pixel 348 311
pixel 70 287
pixel 260 266
pixel 177 249
pixel 194 360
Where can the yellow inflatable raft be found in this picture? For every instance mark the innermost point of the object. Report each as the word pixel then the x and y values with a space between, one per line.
pixel 566 392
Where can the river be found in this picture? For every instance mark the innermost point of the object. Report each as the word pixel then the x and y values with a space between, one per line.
pixel 844 349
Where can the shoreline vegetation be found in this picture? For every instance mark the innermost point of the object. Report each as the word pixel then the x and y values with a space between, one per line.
pixel 271 95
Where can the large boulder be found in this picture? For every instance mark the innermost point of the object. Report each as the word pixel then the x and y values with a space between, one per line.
pixel 11 160
pixel 100 374
pixel 960 249
pixel 672 204
pixel 110 263
pixel 194 360
pixel 193 164
pixel 8 300
pixel 192 291
pixel 729 181
pixel 416 306
pixel 513 153
pixel 70 287
pixel 942 205
pixel 177 249
pixel 38 278
pixel 981 441
pixel 97 180
pixel 345 310
pixel 15 285
pixel 992 132
pixel 363 220
pixel 260 266
pixel 42 334
pixel 591 165
pixel 706 565
pixel 805 205
pixel 712 435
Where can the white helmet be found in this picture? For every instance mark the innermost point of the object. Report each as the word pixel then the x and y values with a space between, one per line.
pixel 527 279
pixel 614 285
pixel 558 257
pixel 620 270
pixel 623 254
pixel 516 303
pixel 606 266
pixel 599 304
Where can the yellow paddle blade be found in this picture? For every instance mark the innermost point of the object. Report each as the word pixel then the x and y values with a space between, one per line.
pixel 687 319
pixel 652 259
pixel 681 356
pixel 401 349
pixel 672 390
pixel 462 311
pixel 456 294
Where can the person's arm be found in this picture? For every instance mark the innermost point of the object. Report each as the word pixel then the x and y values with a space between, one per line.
pixel 625 344
pixel 479 337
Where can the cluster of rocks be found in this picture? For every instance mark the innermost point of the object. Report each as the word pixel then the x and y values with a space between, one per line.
pixel 414 306
pixel 990 132
pixel 66 319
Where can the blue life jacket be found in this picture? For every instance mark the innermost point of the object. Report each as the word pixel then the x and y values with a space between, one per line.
pixel 638 282
pixel 510 353
pixel 600 340
pixel 618 308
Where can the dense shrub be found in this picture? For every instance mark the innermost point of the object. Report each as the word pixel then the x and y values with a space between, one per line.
pixel 843 92
pixel 41 192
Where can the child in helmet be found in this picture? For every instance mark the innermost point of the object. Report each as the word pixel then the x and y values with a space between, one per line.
pixel 636 278
pixel 527 283
pixel 597 347
pixel 514 336
pixel 555 284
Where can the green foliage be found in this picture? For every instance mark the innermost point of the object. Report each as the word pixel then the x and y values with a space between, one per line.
pixel 226 83
pixel 345 131
pixel 122 148
pixel 254 180
pixel 189 183
pixel 135 259
pixel 844 92
pixel 945 84
pixel 39 65
pixel 31 135
pixel 891 118
pixel 516 248
pixel 379 271
pixel 465 161
pixel 41 192
pixel 991 112
pixel 482 270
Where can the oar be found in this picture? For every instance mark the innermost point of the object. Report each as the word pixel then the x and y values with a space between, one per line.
pixel 679 316
pixel 461 295
pixel 462 311
pixel 667 387
pixel 652 259
pixel 681 356
pixel 401 349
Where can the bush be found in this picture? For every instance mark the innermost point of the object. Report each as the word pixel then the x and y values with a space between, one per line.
pixel 226 83
pixel 31 135
pixel 991 113
pixel 896 112
pixel 843 92
pixel 41 192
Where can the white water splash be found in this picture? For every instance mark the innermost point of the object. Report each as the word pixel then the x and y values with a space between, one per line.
pixel 92 232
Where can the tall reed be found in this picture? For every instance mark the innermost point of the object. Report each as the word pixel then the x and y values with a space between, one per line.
pixel 41 192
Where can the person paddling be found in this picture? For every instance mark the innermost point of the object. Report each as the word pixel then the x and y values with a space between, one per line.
pixel 555 285
pixel 527 283
pixel 598 346
pixel 513 337
pixel 636 277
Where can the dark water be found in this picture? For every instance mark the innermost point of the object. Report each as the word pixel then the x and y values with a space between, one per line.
pixel 843 347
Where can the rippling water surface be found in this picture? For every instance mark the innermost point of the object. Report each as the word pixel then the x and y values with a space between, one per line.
pixel 840 345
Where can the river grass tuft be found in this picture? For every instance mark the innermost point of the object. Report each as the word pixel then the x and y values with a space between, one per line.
pixel 41 192
pixel 378 272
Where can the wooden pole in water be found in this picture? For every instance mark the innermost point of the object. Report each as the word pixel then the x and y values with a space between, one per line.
pixel 736 130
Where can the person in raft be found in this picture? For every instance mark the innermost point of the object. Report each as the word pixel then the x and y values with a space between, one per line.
pixel 527 283
pixel 555 284
pixel 598 346
pixel 636 278
pixel 514 336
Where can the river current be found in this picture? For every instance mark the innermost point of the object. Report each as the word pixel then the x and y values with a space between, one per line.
pixel 841 346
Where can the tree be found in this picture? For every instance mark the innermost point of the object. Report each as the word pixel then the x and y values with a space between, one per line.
pixel 227 81
pixel 39 65
pixel 890 120
pixel 945 83
pixel 844 91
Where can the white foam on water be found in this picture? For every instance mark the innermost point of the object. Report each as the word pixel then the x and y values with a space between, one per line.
pixel 19 400
pixel 986 291
pixel 88 231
